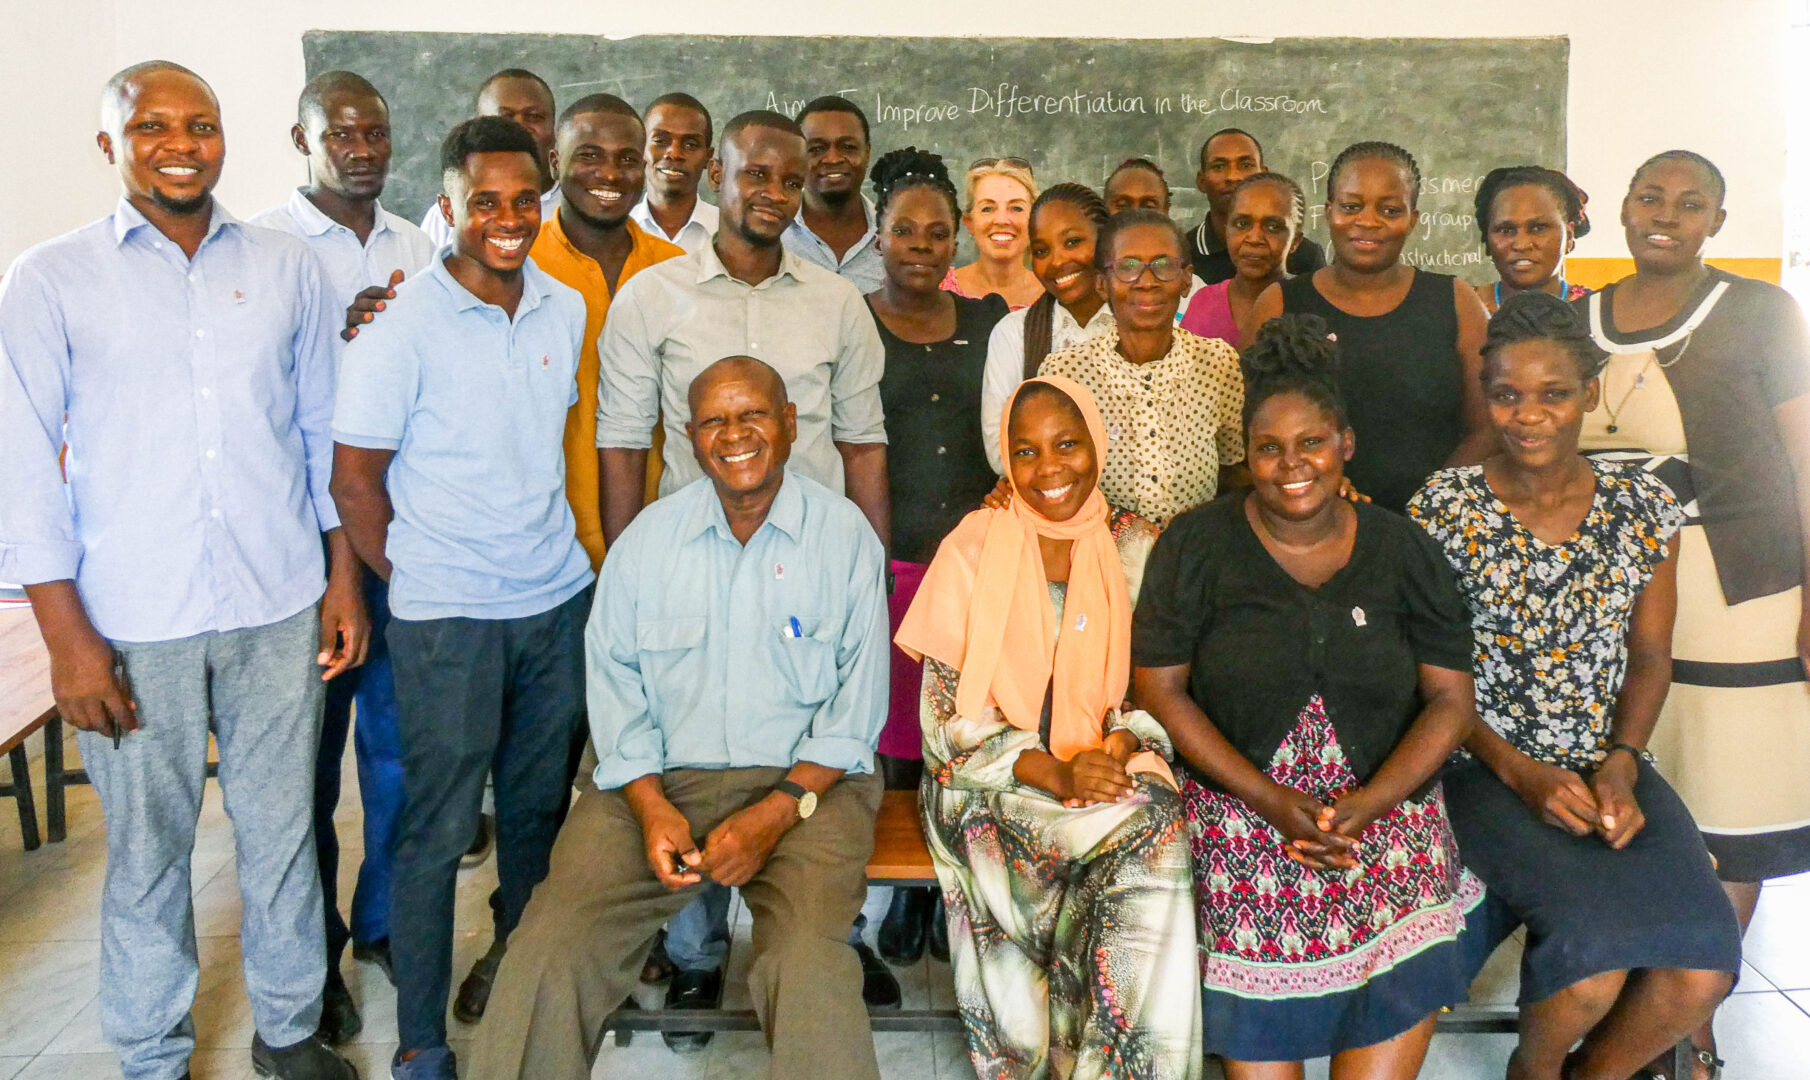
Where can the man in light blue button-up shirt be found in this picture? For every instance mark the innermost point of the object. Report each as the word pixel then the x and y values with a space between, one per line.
pixel 183 364
pixel 450 476
pixel 836 226
pixel 342 130
pixel 736 670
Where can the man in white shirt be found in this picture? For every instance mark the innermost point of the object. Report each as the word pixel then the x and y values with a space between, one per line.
pixel 520 95
pixel 342 130
pixel 679 140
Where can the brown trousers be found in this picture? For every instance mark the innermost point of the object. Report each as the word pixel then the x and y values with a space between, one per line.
pixel 578 951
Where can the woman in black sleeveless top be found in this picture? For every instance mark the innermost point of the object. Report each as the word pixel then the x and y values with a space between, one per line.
pixel 1410 339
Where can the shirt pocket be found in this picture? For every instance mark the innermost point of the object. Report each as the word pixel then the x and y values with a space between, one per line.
pixel 670 652
pixel 807 664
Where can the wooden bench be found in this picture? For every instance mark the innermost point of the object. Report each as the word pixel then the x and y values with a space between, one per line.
pixel 25 706
pixel 901 858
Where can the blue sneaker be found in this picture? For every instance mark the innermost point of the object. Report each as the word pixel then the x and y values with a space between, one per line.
pixel 435 1064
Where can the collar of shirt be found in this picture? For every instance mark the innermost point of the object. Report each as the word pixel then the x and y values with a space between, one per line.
pixel 640 255
pixel 315 222
pixel 802 231
pixel 127 219
pixel 786 514
pixel 1062 321
pixel 710 267
pixel 534 289
pixel 703 215
pixel 1207 238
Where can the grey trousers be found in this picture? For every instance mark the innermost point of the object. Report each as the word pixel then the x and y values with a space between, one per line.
pixel 579 948
pixel 260 692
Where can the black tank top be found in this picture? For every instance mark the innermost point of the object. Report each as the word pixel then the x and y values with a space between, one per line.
pixel 1402 382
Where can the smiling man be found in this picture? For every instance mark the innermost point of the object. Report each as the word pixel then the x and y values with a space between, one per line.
pixel 679 139
pixel 449 475
pixel 342 130
pixel 522 96
pixel 835 228
pixel 180 366
pixel 736 667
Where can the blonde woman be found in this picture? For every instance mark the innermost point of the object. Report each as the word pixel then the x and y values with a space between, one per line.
pixel 1000 193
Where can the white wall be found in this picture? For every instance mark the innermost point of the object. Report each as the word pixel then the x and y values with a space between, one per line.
pixel 1646 75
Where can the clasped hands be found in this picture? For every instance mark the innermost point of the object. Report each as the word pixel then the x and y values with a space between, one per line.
pixel 731 855
pixel 1096 776
pixel 1318 836
pixel 1604 806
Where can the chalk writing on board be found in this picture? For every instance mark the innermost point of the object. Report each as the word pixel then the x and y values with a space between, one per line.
pixel 1236 99
pixel 1008 100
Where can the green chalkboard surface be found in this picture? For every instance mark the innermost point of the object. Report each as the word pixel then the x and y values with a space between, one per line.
pixel 1075 107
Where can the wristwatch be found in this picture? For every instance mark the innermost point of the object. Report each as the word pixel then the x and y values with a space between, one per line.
pixel 807 799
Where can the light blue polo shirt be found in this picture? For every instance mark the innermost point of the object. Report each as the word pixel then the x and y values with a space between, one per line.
pixel 475 407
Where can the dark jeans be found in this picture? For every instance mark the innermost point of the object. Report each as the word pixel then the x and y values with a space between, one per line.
pixel 477 696
pixel 379 752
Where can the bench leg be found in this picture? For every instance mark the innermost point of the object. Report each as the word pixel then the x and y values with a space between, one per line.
pixel 28 808
pixel 54 780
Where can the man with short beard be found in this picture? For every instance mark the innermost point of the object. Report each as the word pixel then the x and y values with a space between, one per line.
pixel 177 367
pixel 342 130
pixel 835 228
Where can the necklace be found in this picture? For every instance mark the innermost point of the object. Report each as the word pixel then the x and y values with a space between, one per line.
pixel 1640 380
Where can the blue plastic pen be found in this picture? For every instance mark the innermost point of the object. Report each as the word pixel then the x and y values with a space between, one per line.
pixel 797 631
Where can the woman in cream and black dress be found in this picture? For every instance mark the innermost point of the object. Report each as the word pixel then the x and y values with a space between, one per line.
pixel 1708 386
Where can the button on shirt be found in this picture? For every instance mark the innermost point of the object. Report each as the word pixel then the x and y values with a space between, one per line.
pixel 198 395
pixel 696 233
pixel 392 244
pixel 860 264
pixel 1170 423
pixel 676 319
pixel 691 658
pixel 1005 364
pixel 440 234
pixel 474 404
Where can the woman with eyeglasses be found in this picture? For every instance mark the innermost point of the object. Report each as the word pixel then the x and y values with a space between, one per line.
pixel 1000 193
pixel 1411 339
pixel 1172 400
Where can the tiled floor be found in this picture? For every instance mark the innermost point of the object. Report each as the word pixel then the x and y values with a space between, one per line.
pixel 50 1030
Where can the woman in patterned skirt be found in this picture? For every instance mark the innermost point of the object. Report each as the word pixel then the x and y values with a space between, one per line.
pixel 1311 661
pixel 1051 815
pixel 1708 386
pixel 1569 568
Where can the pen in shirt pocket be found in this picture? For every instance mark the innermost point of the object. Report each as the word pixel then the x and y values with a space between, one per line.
pixel 797 631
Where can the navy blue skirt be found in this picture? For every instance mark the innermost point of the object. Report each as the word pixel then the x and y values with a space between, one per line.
pixel 1588 908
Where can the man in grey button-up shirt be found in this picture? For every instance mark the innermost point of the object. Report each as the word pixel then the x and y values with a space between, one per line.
pixel 744 294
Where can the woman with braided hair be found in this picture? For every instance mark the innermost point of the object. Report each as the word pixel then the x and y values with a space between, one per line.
pixel 1310 660
pixel 935 344
pixel 1531 217
pixel 1065 227
pixel 1569 567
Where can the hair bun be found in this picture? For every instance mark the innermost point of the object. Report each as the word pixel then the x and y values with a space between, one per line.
pixel 1292 345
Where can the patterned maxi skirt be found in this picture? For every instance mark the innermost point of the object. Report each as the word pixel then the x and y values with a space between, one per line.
pixel 1071 932
pixel 1299 963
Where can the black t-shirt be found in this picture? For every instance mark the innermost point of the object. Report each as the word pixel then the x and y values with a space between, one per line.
pixel 935 462
pixel 1262 644
pixel 1212 264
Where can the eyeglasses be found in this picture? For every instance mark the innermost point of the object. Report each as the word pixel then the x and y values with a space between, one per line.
pixel 989 162
pixel 1129 270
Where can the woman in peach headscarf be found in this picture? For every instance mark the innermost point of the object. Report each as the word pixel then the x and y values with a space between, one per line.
pixel 1052 817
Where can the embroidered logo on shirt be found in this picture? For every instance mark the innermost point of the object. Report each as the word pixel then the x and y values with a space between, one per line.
pixel 1081 621
pixel 546 362
pixel 779 571
pixel 238 296
pixel 1357 617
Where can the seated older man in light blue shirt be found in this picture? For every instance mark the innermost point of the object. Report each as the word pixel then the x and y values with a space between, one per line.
pixel 181 363
pixel 736 672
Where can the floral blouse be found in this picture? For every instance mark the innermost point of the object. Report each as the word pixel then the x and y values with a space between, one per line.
pixel 981 753
pixel 1551 621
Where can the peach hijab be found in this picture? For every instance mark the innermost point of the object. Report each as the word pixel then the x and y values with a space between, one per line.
pixel 984 608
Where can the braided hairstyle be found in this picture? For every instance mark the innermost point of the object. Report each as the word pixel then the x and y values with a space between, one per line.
pixel 1541 316
pixel 1293 354
pixel 1039 318
pixel 1708 166
pixel 907 168
pixel 1570 196
pixel 1378 151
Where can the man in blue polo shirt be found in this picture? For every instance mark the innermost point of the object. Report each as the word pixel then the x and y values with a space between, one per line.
pixel 449 474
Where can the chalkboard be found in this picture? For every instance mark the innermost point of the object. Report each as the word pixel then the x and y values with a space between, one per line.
pixel 1074 107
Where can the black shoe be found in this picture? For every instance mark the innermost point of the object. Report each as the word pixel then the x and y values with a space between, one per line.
pixel 474 992
pixel 937 932
pixel 657 968
pixel 878 988
pixel 901 936
pixel 480 844
pixel 692 990
pixel 376 952
pixel 307 1060
pixel 340 1020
